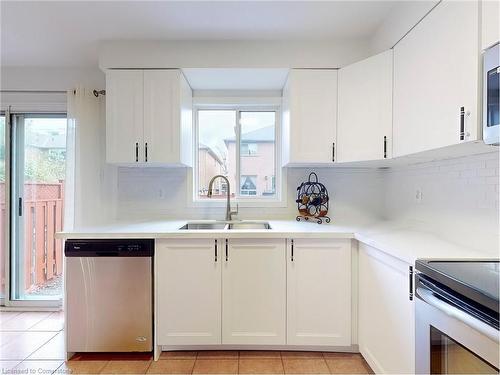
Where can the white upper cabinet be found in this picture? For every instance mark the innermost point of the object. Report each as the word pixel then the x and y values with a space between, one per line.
pixel 490 23
pixel 319 292
pixel 124 116
pixel 254 292
pixel 309 116
pixel 364 129
pixel 386 315
pixel 148 117
pixel 436 80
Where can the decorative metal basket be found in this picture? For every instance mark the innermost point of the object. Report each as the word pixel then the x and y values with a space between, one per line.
pixel 312 200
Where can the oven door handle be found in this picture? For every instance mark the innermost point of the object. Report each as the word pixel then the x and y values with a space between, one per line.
pixel 450 310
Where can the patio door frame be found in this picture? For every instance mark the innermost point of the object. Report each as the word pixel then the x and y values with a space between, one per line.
pixel 14 179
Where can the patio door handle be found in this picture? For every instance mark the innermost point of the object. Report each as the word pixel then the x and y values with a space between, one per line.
pixel 20 206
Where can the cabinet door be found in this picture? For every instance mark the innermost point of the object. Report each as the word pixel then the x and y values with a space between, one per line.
pixel 435 75
pixel 313 115
pixel 254 292
pixel 319 292
pixel 188 292
pixel 124 116
pixel 385 313
pixel 490 23
pixel 161 116
pixel 364 129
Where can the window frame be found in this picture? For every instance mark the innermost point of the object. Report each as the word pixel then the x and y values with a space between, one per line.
pixel 247 105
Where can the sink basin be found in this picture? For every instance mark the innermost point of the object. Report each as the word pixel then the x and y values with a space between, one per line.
pixel 204 226
pixel 249 225
pixel 223 225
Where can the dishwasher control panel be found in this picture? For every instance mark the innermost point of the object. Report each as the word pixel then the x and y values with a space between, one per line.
pixel 109 247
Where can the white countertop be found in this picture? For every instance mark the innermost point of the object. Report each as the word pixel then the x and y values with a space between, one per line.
pixel 393 238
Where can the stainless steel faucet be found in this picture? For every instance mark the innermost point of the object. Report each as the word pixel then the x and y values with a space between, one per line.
pixel 229 213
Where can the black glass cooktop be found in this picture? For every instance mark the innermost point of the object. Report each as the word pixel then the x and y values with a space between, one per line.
pixel 477 280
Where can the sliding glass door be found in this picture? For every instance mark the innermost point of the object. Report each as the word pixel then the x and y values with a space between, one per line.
pixel 3 213
pixel 37 204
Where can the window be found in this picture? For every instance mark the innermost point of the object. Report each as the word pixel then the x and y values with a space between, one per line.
pixel 3 214
pixel 239 144
pixel 248 185
pixel 249 149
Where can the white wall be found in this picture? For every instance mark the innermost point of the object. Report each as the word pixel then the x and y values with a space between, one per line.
pixel 46 78
pixel 231 54
pixel 355 195
pixel 402 17
pixel 459 198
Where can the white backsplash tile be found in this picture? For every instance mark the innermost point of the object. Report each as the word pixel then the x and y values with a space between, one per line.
pixel 459 202
pixel 459 197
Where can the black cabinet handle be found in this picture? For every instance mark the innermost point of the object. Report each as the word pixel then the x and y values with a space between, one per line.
pixel 333 152
pixel 136 152
pixel 410 284
pixel 291 257
pixel 462 123
pixel 227 251
pixel 146 152
pixel 215 251
pixel 385 147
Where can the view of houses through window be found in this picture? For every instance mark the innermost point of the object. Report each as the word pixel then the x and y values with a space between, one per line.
pixel 241 145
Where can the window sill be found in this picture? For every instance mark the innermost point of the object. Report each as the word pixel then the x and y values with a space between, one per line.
pixel 242 203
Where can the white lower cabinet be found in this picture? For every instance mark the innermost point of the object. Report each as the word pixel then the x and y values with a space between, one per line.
pixel 386 317
pixel 254 292
pixel 319 292
pixel 188 292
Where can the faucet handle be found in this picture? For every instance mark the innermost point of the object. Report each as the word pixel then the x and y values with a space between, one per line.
pixel 234 212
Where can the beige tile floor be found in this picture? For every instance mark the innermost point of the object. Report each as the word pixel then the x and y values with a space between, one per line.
pixel 33 342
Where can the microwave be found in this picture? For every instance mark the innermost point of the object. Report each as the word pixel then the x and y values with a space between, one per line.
pixel 491 97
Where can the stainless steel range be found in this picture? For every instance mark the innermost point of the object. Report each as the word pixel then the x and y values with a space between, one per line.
pixel 457 317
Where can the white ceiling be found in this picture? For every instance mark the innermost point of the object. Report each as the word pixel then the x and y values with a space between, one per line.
pixel 67 33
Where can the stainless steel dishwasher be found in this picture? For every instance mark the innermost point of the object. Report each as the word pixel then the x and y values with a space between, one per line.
pixel 109 295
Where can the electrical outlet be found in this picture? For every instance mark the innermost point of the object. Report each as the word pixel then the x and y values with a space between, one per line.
pixel 419 195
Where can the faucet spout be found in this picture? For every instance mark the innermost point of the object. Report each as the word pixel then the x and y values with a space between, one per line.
pixel 229 213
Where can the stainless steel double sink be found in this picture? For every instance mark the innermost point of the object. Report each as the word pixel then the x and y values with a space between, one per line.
pixel 225 225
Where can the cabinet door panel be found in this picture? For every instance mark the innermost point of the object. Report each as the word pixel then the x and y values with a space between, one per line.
pixel 254 292
pixel 435 74
pixel 124 115
pixel 313 115
pixel 162 115
pixel 188 280
pixel 365 109
pixel 386 315
pixel 319 292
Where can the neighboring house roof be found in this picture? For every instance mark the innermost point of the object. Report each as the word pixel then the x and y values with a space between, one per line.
pixel 46 141
pixel 260 135
pixel 211 152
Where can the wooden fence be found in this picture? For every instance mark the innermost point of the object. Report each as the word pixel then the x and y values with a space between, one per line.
pixel 43 211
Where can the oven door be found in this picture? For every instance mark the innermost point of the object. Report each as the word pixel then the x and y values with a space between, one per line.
pixel 491 98
pixel 450 341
